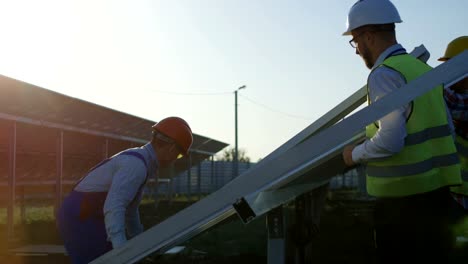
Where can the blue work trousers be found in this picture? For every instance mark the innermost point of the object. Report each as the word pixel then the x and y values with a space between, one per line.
pixel 85 238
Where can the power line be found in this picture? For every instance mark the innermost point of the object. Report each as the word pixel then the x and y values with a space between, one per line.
pixel 245 97
pixel 197 93
pixel 275 110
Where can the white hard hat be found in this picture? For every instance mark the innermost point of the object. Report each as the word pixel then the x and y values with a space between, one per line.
pixel 371 12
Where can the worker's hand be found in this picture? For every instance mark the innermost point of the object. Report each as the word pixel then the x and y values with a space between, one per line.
pixel 347 155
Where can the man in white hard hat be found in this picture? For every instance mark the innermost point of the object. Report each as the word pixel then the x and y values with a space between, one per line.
pixel 410 153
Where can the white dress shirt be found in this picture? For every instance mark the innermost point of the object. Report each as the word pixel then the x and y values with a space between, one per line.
pixel 122 178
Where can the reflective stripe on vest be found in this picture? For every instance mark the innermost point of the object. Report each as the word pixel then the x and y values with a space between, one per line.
pixel 414 168
pixel 428 159
pixel 427 134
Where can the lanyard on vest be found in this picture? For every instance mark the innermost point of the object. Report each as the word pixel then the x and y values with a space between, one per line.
pixel 393 53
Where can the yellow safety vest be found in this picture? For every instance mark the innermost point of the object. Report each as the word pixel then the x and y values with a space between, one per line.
pixel 462 148
pixel 429 158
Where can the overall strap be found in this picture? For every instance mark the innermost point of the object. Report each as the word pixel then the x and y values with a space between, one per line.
pixel 128 152
pixel 93 202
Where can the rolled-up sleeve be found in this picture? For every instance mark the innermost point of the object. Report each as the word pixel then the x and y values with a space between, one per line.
pixel 129 175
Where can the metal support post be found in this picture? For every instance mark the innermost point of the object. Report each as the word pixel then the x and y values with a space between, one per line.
pixel 199 179
pixel 276 236
pixel 59 170
pixel 11 181
pixel 236 150
pixel 189 177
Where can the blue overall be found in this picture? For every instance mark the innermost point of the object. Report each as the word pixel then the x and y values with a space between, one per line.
pixel 80 221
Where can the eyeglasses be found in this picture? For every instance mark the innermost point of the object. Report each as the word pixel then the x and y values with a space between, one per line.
pixel 380 28
pixel 352 42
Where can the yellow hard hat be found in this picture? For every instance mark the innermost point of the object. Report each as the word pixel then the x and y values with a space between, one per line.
pixel 455 47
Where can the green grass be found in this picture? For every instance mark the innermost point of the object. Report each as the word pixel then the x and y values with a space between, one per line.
pixel 46 212
pixel 31 215
pixel 345 233
pixel 226 240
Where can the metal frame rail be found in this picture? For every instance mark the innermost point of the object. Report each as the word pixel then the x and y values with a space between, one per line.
pixel 264 201
pixel 307 207
pixel 281 169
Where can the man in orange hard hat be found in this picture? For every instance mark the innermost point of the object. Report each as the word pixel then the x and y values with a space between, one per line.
pixel 101 212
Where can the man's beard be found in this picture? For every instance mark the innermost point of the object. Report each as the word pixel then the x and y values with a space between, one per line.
pixel 366 56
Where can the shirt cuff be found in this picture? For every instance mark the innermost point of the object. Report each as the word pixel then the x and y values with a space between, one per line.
pixel 358 155
pixel 118 240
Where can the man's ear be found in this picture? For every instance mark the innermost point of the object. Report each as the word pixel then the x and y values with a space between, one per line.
pixel 369 37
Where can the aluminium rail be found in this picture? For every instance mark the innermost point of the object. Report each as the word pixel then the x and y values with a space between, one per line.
pixel 281 169
pixel 264 201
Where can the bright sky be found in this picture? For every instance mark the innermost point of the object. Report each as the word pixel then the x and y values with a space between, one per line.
pixel 154 59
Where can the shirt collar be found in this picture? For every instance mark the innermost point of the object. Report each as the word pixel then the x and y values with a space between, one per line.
pixel 152 154
pixel 392 50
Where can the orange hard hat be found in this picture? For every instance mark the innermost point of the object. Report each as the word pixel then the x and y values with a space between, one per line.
pixel 176 129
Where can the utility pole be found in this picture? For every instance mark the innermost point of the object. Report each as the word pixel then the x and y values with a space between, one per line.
pixel 236 150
